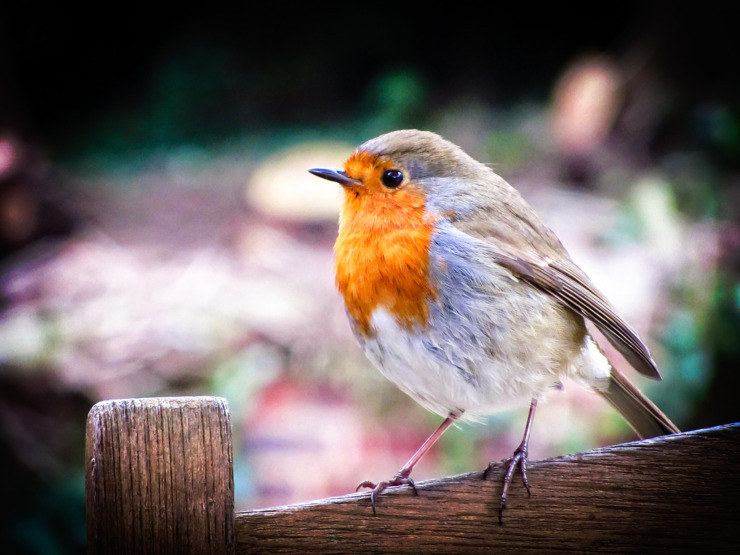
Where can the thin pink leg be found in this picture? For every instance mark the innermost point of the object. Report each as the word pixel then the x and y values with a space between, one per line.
pixel 402 476
pixel 431 440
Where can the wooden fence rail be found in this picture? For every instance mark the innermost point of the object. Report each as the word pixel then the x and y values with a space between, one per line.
pixel 160 480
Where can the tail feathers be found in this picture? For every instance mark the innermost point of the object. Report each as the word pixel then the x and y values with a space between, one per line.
pixel 645 418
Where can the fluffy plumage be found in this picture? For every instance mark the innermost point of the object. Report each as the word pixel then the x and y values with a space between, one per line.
pixel 463 298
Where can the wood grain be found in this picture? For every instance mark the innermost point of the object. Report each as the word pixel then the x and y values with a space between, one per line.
pixel 674 494
pixel 160 476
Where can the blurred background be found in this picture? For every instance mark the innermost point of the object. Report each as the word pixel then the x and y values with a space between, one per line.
pixel 160 234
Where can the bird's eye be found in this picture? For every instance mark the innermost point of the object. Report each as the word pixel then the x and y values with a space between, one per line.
pixel 392 178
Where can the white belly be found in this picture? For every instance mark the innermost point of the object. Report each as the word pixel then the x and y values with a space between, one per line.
pixel 490 341
pixel 485 386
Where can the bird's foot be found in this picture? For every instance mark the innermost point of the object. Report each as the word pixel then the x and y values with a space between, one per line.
pixel 400 479
pixel 517 460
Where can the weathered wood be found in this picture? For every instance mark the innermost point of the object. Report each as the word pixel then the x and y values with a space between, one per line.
pixel 676 494
pixel 160 476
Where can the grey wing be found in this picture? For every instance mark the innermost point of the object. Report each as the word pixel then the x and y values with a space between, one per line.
pixel 521 243
pixel 566 283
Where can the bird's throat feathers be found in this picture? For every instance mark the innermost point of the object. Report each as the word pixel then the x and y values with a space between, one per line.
pixel 382 252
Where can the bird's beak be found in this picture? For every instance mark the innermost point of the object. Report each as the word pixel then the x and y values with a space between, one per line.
pixel 336 174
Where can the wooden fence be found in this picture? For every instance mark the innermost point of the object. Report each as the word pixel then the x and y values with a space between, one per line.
pixel 159 479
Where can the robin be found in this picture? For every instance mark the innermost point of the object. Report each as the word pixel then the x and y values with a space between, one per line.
pixel 464 299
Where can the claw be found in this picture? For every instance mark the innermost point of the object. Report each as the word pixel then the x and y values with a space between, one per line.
pixel 398 480
pixel 365 484
pixel 518 459
pixel 402 476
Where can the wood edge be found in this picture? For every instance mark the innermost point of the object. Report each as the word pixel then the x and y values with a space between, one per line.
pixel 590 455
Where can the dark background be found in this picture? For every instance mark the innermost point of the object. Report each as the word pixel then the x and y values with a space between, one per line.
pixel 65 68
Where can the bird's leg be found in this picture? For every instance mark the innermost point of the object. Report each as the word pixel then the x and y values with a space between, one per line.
pixel 518 459
pixel 402 476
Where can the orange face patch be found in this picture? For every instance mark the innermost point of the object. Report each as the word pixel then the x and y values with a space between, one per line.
pixel 382 250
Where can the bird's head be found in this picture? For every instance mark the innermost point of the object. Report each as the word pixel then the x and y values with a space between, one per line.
pixel 415 169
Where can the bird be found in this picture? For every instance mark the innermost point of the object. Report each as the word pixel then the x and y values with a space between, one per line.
pixel 465 300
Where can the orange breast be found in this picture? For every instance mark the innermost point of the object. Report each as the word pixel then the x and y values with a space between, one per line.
pixel 382 256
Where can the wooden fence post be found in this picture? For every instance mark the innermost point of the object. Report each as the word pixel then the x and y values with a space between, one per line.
pixel 159 476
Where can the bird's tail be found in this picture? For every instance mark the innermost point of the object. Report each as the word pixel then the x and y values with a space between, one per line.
pixel 639 411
